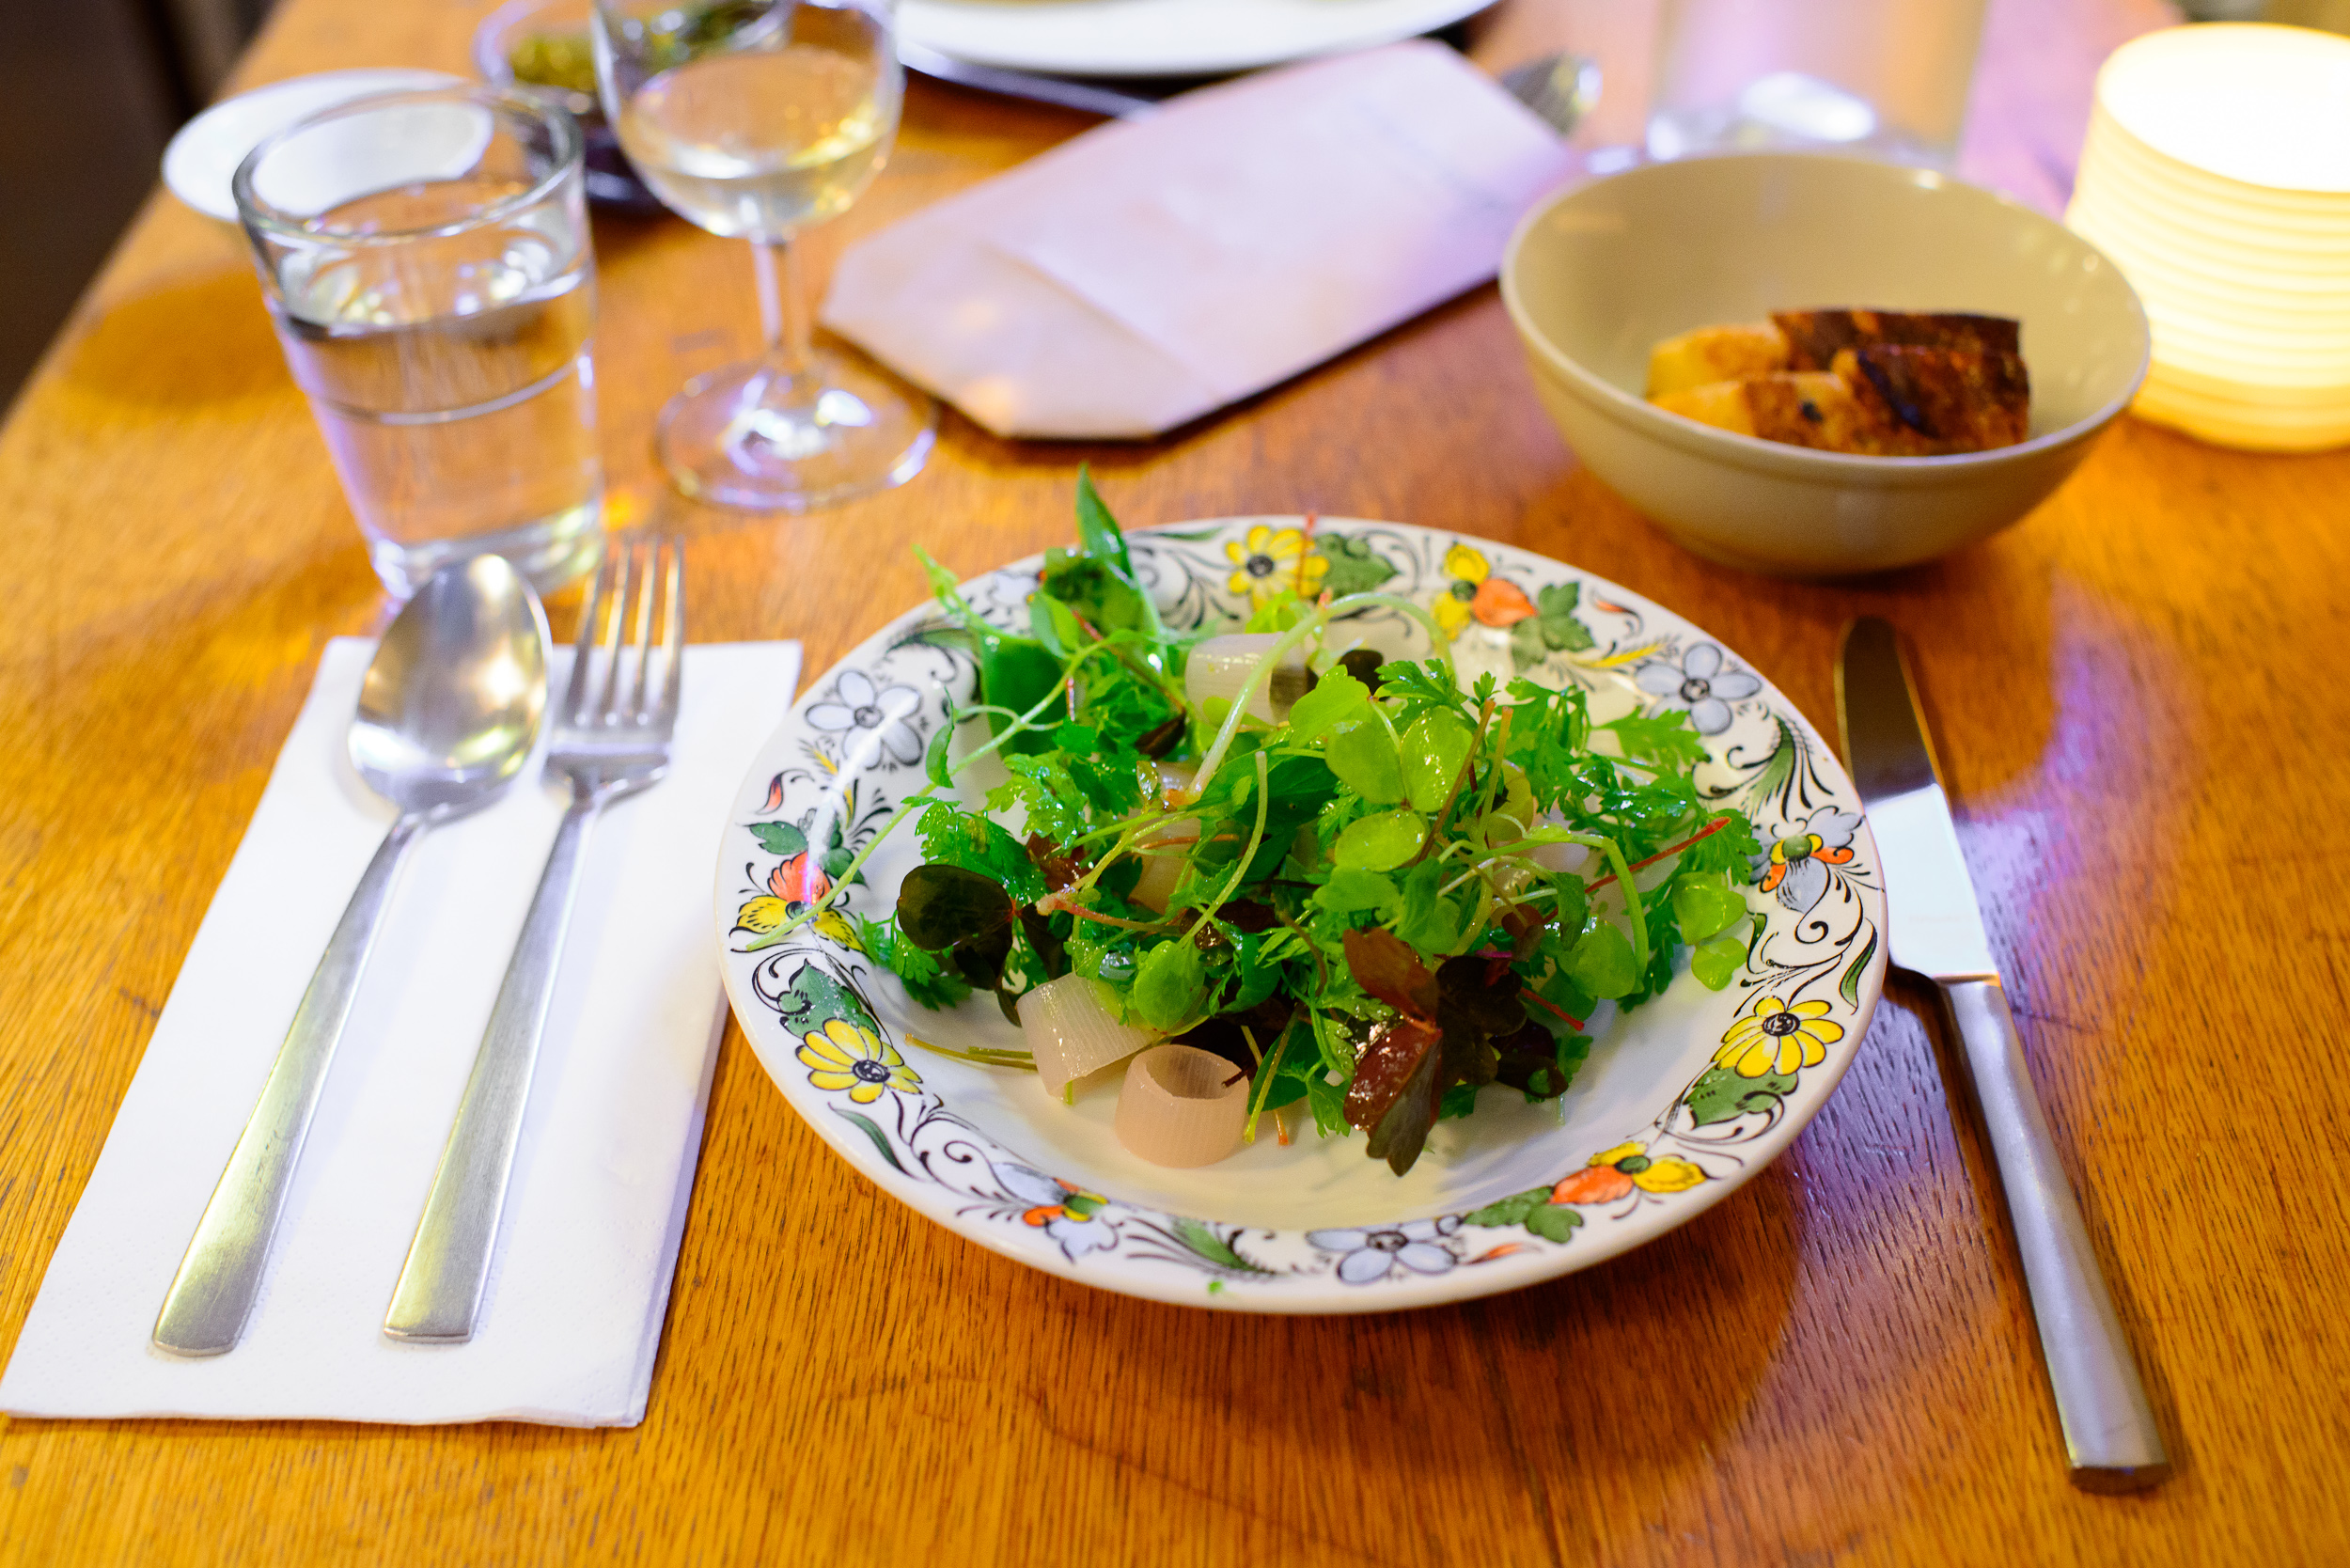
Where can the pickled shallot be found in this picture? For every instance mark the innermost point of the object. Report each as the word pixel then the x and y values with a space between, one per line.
pixel 1219 669
pixel 1181 1107
pixel 1073 1030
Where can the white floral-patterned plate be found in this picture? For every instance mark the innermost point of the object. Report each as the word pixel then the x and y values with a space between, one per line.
pixel 1680 1101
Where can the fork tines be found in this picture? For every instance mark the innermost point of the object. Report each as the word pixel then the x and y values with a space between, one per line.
pixel 636 610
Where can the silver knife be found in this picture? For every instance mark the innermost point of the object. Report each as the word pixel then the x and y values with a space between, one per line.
pixel 1081 96
pixel 1936 932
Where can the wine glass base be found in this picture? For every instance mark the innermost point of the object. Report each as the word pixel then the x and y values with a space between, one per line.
pixel 854 431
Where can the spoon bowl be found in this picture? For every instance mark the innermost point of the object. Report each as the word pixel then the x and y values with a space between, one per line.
pixel 453 701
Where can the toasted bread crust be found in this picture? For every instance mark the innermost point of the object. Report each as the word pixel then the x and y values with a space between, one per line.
pixel 1798 408
pixel 1815 337
pixel 1952 400
pixel 1818 409
pixel 1871 382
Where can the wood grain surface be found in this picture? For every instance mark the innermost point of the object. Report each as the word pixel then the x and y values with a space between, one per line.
pixel 2141 694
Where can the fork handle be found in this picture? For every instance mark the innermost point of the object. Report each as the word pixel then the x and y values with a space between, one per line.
pixel 2110 1438
pixel 438 1299
pixel 205 1311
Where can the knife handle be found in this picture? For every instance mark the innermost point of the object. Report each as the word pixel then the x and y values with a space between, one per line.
pixel 2109 1433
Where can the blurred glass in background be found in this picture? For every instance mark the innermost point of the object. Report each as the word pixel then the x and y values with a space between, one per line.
pixel 1887 77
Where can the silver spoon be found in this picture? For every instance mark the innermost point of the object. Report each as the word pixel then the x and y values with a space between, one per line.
pixel 449 711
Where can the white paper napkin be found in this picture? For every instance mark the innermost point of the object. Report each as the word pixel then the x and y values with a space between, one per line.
pixel 581 1285
pixel 1150 270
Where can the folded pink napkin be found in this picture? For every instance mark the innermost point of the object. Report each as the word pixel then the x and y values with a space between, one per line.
pixel 1155 269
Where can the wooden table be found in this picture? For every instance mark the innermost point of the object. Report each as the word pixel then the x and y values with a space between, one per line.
pixel 2140 693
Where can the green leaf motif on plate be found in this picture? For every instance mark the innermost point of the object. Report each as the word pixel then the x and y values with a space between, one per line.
pixel 1859 966
pixel 1533 1209
pixel 779 838
pixel 1354 566
pixel 864 1123
pixel 1722 1095
pixel 1552 628
pixel 1211 1247
pixel 1778 770
pixel 814 998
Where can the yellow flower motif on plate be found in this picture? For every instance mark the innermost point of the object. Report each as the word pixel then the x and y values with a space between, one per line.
pixel 1467 567
pixel 833 926
pixel 1776 1038
pixel 848 1055
pixel 1614 1173
pixel 1272 560
pixel 762 915
pixel 1670 1174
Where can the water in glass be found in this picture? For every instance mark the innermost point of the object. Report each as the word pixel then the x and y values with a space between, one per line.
pixel 761 144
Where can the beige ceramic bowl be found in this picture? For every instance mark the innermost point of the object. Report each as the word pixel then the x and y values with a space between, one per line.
pixel 1601 271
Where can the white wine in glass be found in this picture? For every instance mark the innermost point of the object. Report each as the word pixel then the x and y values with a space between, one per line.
pixel 758 119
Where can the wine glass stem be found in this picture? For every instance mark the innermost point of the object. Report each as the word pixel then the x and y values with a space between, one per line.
pixel 783 313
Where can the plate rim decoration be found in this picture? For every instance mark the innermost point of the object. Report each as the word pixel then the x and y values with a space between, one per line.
pixel 1797 1011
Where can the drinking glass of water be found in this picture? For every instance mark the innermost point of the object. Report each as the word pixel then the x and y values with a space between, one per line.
pixel 1887 78
pixel 426 260
pixel 758 119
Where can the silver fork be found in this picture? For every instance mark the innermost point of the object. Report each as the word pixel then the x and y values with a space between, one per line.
pixel 611 740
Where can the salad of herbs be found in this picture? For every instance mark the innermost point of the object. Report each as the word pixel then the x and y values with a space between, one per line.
pixel 1366 888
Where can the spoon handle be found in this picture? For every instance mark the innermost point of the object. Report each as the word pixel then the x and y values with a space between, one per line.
pixel 439 1293
pixel 212 1295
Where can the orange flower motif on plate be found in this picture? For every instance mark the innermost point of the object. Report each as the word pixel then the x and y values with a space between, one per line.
pixel 1476 594
pixel 1618 1172
pixel 799 880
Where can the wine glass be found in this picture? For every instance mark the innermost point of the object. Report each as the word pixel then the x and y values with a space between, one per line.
pixel 758 119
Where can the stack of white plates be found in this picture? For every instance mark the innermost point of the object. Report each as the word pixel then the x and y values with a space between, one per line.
pixel 2216 174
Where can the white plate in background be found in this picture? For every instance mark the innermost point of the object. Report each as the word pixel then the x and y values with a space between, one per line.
pixel 1165 37
pixel 203 157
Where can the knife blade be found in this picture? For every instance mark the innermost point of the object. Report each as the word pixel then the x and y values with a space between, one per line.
pixel 1934 928
pixel 1082 96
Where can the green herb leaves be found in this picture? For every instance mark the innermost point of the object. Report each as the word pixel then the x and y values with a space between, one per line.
pixel 1434 749
pixel 1365 902
pixel 1361 754
pixel 1171 985
pixel 1337 697
pixel 1380 842
pixel 965 924
pixel 961 915
pixel 1098 532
